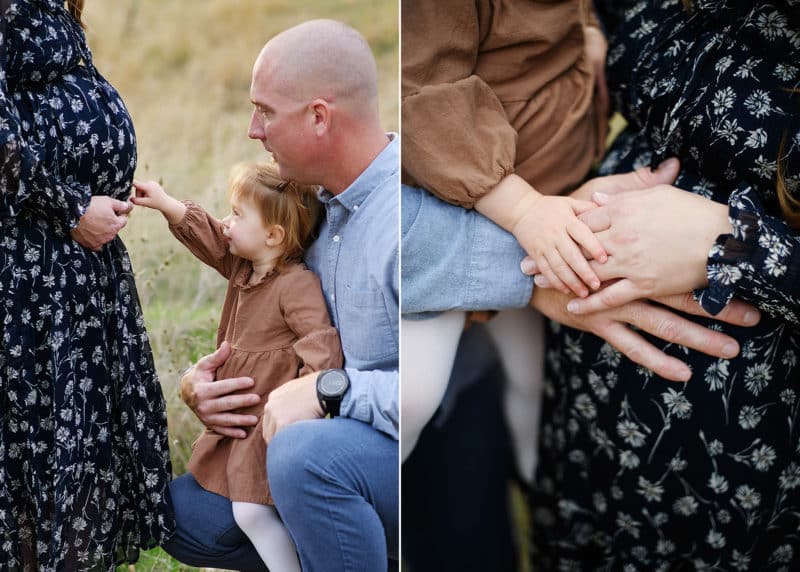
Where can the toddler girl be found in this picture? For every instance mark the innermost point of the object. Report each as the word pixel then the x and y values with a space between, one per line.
pixel 274 318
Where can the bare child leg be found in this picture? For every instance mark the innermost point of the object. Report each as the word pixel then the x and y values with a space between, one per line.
pixel 519 337
pixel 269 536
pixel 429 350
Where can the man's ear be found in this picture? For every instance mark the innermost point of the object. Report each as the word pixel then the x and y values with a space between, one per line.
pixel 275 235
pixel 320 116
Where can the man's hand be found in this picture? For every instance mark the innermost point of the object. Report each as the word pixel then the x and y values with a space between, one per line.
pixel 210 400
pixel 293 401
pixel 101 222
pixel 613 326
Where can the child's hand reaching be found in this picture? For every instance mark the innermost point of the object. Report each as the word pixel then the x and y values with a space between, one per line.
pixel 153 196
pixel 548 228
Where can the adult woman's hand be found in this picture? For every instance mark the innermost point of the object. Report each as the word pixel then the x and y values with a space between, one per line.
pixel 212 401
pixel 603 187
pixel 658 241
pixel 614 326
pixel 642 178
pixel 101 222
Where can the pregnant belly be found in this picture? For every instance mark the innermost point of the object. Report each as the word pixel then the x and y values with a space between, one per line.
pixel 82 128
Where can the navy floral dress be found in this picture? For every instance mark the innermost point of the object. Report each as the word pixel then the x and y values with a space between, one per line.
pixel 84 460
pixel 639 473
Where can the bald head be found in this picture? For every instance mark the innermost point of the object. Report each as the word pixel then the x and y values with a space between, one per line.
pixel 321 58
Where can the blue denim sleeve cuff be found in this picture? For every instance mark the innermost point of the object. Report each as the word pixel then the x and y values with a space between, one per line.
pixel 373 398
pixel 457 259
pixel 757 262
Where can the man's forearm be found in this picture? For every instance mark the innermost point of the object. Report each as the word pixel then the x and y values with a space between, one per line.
pixel 457 259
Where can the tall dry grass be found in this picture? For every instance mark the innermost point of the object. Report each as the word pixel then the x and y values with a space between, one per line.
pixel 183 69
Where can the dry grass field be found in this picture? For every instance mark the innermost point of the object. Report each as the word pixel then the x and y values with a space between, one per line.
pixel 183 69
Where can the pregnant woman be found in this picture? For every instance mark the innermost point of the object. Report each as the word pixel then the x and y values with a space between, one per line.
pixel 84 460
pixel 636 472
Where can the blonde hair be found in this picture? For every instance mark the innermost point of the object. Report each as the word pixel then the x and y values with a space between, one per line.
pixel 293 206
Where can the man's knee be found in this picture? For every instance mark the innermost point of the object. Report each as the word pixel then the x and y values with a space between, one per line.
pixel 288 452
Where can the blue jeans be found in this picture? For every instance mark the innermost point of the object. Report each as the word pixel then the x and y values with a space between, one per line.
pixel 335 484
pixel 207 534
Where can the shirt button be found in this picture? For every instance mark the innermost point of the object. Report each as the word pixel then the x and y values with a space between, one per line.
pixel 333 297
pixel 355 207
pixel 336 238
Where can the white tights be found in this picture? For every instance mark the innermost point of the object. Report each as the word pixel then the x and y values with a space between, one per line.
pixel 427 356
pixel 269 536
pixel 429 350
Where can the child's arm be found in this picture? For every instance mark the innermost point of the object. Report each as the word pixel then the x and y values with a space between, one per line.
pixel 303 307
pixel 549 230
pixel 153 196
pixel 189 223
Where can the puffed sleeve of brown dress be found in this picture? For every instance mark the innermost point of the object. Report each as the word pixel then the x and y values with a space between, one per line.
pixel 303 307
pixel 495 87
pixel 457 141
pixel 201 233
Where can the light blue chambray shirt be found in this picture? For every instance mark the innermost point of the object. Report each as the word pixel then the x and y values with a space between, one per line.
pixel 356 258
pixel 457 259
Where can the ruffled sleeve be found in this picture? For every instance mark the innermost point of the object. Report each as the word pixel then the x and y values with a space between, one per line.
pixel 305 312
pixel 457 141
pixel 759 262
pixel 201 233
pixel 26 185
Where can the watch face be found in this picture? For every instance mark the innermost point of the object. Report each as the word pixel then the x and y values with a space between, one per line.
pixel 333 383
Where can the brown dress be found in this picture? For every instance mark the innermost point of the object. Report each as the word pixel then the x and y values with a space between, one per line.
pixel 495 87
pixel 278 329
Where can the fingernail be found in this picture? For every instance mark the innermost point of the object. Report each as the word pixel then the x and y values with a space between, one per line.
pixel 750 318
pixel 595 285
pixel 669 163
pixel 573 306
pixel 600 198
pixel 527 266
pixel 540 281
pixel 730 349
pixel 684 373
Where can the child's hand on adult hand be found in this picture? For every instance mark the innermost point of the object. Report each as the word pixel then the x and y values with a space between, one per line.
pixel 549 230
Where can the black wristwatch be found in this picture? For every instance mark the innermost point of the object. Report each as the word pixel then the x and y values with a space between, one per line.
pixel 331 387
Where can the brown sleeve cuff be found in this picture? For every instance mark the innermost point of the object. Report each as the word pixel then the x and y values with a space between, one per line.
pixel 458 143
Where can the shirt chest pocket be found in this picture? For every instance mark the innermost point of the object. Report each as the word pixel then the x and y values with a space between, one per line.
pixel 364 325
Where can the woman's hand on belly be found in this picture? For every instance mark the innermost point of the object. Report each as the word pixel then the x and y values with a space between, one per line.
pixel 101 222
pixel 658 241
